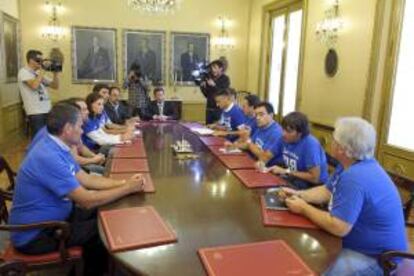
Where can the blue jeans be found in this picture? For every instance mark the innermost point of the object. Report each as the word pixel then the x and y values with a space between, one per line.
pixel 353 263
pixel 36 122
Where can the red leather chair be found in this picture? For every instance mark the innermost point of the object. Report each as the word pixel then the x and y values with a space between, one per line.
pixel 70 257
pixel 403 268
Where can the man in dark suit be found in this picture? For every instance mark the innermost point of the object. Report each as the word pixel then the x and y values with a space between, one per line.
pixel 161 110
pixel 189 61
pixel 118 111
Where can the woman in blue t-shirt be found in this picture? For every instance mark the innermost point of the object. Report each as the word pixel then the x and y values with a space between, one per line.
pixel 299 154
pixel 94 135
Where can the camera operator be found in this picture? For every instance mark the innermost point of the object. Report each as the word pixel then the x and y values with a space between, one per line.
pixel 215 81
pixel 33 89
pixel 138 97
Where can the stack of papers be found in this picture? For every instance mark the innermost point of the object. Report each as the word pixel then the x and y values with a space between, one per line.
pixel 202 130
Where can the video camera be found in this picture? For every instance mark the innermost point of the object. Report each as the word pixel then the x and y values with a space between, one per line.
pixel 52 65
pixel 201 73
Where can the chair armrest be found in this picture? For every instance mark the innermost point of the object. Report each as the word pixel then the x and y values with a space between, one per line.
pixel 62 232
pixel 386 262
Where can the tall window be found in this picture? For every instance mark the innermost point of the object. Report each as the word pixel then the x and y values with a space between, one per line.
pixel 285 40
pixel 401 127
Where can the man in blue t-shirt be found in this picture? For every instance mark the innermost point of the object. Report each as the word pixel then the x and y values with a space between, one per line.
pixel 248 105
pixel 266 137
pixel 300 154
pixel 364 204
pixel 50 183
pixel 232 117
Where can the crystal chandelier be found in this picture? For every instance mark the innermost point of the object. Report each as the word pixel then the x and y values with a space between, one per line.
pixel 154 6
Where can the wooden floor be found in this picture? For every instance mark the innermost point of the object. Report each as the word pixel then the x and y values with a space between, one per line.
pixel 14 154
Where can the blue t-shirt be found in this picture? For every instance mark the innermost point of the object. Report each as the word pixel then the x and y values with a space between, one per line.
pixel 365 197
pixel 268 138
pixel 38 137
pixel 233 118
pixel 252 123
pixel 90 125
pixel 45 178
pixel 303 155
pixel 103 119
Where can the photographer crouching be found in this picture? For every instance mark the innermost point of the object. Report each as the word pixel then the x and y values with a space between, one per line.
pixel 214 81
pixel 33 88
pixel 138 97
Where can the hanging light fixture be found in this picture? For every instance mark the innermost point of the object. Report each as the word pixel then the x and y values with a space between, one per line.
pixel 223 42
pixel 154 6
pixel 53 31
pixel 327 30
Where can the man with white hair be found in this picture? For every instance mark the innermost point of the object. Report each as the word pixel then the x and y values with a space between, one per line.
pixel 364 205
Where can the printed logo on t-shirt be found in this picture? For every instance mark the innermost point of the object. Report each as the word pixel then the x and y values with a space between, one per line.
pixel 227 122
pixel 291 160
pixel 259 142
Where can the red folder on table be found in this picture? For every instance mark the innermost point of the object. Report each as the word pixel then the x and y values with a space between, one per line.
pixel 254 179
pixel 212 141
pixel 237 161
pixel 129 165
pixel 133 228
pixel 221 150
pixel 266 258
pixel 284 218
pixel 133 151
pixel 148 186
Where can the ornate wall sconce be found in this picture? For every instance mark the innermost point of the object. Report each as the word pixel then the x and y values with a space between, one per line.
pixel 53 31
pixel 327 29
pixel 223 42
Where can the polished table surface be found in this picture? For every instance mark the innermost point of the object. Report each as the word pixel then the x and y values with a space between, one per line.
pixel 207 206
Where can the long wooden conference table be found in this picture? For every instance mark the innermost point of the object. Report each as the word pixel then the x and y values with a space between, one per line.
pixel 207 206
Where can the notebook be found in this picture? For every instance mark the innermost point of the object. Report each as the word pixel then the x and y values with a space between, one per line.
pixel 284 218
pixel 266 258
pixel 134 228
pixel 134 151
pixel 252 178
pixel 237 161
pixel 148 186
pixel 212 141
pixel 129 165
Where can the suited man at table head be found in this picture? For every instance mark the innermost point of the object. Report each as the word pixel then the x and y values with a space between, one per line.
pixel 160 109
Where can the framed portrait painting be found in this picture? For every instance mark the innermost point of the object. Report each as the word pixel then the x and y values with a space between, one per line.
pixel 145 51
pixel 11 47
pixel 94 55
pixel 188 52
